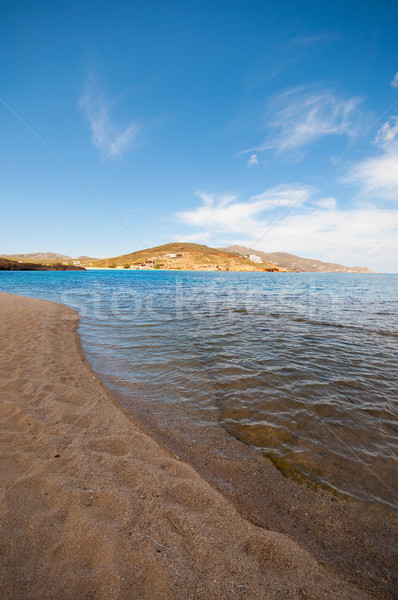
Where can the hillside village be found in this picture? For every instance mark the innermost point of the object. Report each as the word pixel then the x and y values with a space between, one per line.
pixel 193 257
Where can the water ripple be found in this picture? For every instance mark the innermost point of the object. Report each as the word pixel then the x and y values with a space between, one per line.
pixel 302 367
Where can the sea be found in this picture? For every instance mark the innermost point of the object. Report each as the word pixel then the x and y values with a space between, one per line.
pixel 301 366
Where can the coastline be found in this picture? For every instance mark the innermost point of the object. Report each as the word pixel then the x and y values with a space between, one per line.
pixel 94 506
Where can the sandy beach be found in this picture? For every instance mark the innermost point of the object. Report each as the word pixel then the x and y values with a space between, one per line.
pixel 93 506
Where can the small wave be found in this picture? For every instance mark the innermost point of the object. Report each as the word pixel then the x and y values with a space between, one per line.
pixel 388 333
pixel 320 323
pixel 332 325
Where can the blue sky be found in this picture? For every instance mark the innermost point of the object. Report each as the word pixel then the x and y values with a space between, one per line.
pixel 131 124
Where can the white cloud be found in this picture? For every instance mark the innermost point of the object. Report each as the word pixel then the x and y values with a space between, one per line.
pixel 281 195
pixel 377 175
pixel 358 236
pixel 394 82
pixel 303 117
pixel 364 237
pixel 253 160
pixel 107 137
pixel 227 213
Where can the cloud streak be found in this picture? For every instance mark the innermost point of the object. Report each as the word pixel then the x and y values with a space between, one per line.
pixel 110 139
pixel 301 117
pixel 313 39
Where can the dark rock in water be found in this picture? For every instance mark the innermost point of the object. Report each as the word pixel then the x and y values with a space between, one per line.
pixel 14 265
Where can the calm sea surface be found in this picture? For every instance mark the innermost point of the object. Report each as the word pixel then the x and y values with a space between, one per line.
pixel 301 366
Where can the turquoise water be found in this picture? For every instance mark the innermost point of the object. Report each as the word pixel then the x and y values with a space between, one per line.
pixel 301 366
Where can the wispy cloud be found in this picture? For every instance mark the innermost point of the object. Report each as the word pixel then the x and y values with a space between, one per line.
pixel 300 117
pixel 313 39
pixel 328 203
pixel 110 139
pixel 387 134
pixel 377 176
pixel 394 82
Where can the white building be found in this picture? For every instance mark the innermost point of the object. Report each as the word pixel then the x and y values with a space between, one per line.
pixel 76 263
pixel 171 255
pixel 256 259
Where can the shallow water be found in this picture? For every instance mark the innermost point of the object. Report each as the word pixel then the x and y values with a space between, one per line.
pixel 301 366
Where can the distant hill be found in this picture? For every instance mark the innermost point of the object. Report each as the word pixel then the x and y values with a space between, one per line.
pixel 49 258
pixel 290 262
pixel 14 265
pixel 185 256
pixel 38 255
pixel 192 257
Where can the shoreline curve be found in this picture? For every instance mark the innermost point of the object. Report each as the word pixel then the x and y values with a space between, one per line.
pixel 94 506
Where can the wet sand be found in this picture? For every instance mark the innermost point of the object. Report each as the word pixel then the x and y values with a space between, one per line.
pixel 93 506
